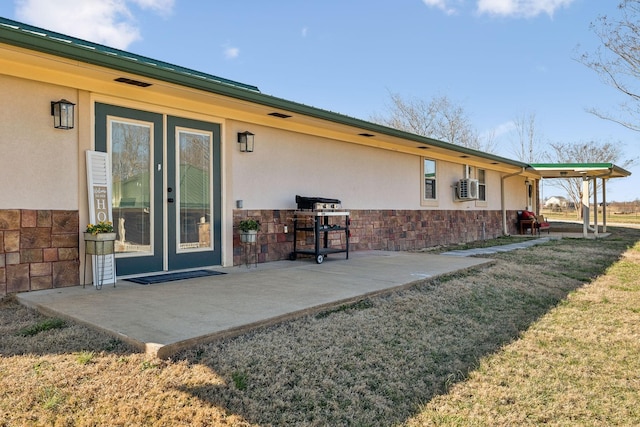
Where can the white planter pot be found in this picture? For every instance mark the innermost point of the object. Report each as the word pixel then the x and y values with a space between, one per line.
pixel 248 236
pixel 99 244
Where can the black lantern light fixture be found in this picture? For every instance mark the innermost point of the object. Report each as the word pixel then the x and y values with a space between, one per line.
pixel 62 112
pixel 245 139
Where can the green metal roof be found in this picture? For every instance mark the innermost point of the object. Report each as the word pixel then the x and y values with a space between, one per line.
pixel 35 38
pixel 41 40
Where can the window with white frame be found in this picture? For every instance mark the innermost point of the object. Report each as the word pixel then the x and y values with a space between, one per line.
pixel 481 176
pixel 482 185
pixel 429 170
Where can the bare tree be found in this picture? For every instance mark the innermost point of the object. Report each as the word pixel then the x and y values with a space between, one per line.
pixel 526 146
pixel 130 150
pixel 439 119
pixel 617 61
pixel 583 152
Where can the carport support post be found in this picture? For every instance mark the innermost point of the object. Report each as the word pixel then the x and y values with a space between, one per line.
pixel 585 206
pixel 604 205
pixel 595 206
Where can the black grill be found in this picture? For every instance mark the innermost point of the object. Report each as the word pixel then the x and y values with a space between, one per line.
pixel 317 203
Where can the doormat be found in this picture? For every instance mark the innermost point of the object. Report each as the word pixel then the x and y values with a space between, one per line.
pixel 170 277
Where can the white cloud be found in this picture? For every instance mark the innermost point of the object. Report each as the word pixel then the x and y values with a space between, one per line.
pixel 521 8
pixel 231 52
pixel 443 5
pixel 108 22
pixel 503 129
pixel 507 8
pixel 164 7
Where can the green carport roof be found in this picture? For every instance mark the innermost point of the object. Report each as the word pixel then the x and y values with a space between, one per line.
pixel 580 170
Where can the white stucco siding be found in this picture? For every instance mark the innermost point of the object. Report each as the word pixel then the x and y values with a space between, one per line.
pixel 515 190
pixel 38 164
pixel 286 163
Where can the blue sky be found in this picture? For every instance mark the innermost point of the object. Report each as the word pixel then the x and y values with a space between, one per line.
pixel 499 59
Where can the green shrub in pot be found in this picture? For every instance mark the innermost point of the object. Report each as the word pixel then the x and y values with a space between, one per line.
pixel 248 230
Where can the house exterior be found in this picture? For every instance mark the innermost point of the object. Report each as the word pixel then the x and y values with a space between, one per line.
pixel 180 182
pixel 556 202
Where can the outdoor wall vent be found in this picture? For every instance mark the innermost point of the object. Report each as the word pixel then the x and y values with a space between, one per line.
pixel 279 115
pixel 423 147
pixel 132 82
pixel 464 156
pixel 367 135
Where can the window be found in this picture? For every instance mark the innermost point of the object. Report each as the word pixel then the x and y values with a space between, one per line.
pixel 481 176
pixel 429 167
pixel 482 186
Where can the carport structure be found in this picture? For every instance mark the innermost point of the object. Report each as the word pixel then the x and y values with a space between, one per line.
pixel 589 173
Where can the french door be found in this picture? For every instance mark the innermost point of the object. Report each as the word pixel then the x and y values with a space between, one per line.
pixel 166 189
pixel 193 193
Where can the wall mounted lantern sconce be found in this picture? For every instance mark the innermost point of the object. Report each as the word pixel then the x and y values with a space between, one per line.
pixel 245 139
pixel 62 112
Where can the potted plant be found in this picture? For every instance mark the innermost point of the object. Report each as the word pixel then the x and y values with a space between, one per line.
pixel 99 238
pixel 248 230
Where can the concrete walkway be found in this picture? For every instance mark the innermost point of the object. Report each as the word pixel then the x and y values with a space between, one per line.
pixel 525 243
pixel 504 248
pixel 164 318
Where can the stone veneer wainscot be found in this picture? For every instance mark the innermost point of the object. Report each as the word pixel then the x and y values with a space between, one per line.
pixel 389 230
pixel 38 250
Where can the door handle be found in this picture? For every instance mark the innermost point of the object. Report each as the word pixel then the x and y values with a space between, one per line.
pixel 169 190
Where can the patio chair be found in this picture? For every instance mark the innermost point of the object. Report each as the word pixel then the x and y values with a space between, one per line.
pixel 543 224
pixel 526 221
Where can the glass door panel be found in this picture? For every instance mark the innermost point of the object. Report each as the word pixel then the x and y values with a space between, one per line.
pixel 193 165
pixel 131 154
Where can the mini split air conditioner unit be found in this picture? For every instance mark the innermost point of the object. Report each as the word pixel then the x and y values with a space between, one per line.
pixel 467 189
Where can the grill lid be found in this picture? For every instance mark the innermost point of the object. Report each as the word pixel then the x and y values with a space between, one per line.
pixel 317 203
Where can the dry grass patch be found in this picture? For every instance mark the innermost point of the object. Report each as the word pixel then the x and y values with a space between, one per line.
pixel 521 341
pixel 578 365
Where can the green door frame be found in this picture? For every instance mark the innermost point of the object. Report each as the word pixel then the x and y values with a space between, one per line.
pixel 155 260
pixel 196 258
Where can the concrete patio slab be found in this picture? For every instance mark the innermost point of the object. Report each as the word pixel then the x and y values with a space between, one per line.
pixel 164 318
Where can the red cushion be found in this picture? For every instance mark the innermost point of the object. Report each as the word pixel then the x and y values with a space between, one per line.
pixel 528 215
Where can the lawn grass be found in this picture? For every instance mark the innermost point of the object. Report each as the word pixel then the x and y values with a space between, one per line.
pixel 578 365
pixel 44 325
pixel 612 217
pixel 545 335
